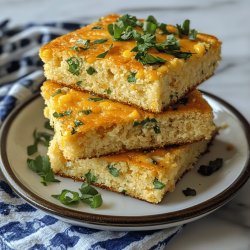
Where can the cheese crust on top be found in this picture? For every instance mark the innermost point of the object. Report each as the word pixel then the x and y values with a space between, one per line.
pixel 109 68
pixel 89 126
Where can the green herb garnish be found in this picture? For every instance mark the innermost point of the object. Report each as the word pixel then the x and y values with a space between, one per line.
pixel 99 41
pixel 102 55
pixel 108 91
pixel 57 92
pixel 97 28
pixel 95 99
pixel 212 167
pixel 65 113
pixel 67 197
pixel 184 30
pixel 113 171
pixel 85 112
pixel 90 196
pixel 74 64
pixel 79 83
pixel 39 138
pixel 158 184
pixel 146 58
pixel 147 122
pixel 91 70
pixel 41 165
pixel 47 126
pixel 90 177
pixel 78 123
pixel 131 78
pixel 189 192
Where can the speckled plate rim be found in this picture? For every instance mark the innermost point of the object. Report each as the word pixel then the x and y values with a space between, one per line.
pixel 171 218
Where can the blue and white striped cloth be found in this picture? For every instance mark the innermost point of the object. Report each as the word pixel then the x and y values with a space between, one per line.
pixel 21 225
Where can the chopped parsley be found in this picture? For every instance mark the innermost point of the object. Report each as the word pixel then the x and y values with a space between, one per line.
pixel 39 138
pixel 95 99
pixel 131 78
pixel 67 197
pixel 91 70
pixel 41 165
pixel 85 112
pixel 124 29
pixel 189 192
pixel 58 91
pixel 90 178
pixel 47 126
pixel 74 64
pixel 89 195
pixel 97 28
pixel 65 113
pixel 99 41
pixel 113 171
pixel 147 122
pixel 77 123
pixel 102 55
pixel 79 83
pixel 213 166
pixel 158 184
pixel 108 91
pixel 184 30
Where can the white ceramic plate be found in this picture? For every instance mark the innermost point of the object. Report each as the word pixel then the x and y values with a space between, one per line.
pixel 121 212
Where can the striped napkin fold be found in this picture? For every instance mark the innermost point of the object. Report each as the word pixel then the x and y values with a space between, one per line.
pixel 21 225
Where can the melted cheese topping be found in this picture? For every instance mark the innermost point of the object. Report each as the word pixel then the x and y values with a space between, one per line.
pixel 121 54
pixel 105 114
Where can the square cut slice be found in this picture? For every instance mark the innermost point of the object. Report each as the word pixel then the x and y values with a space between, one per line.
pixel 74 60
pixel 89 126
pixel 143 175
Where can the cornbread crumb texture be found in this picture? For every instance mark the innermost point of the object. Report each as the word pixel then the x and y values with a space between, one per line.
pixel 153 87
pixel 143 175
pixel 89 126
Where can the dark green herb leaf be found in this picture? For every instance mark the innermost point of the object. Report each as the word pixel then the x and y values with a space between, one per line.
pixel 211 168
pixel 158 184
pixel 108 91
pixel 145 58
pixel 149 27
pixel 65 113
pixel 189 192
pixel 86 112
pixel 102 55
pixel 97 28
pixel 57 92
pixel 79 83
pixel 112 170
pixel 95 99
pixel 74 64
pixel 91 70
pixel 184 30
pixel 78 123
pixel 67 197
pixel 94 201
pixel 131 77
pixel 192 34
pixel 157 129
pixel 87 189
pixel 99 41
pixel 32 149
pixel 90 177
pixel 145 121
pixel 163 28
pixel 41 165
pixel 47 126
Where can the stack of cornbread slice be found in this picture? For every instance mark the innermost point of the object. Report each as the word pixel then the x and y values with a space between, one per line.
pixel 120 96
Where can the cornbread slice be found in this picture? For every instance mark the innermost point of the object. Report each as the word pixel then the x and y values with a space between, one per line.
pixel 90 59
pixel 89 126
pixel 143 175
